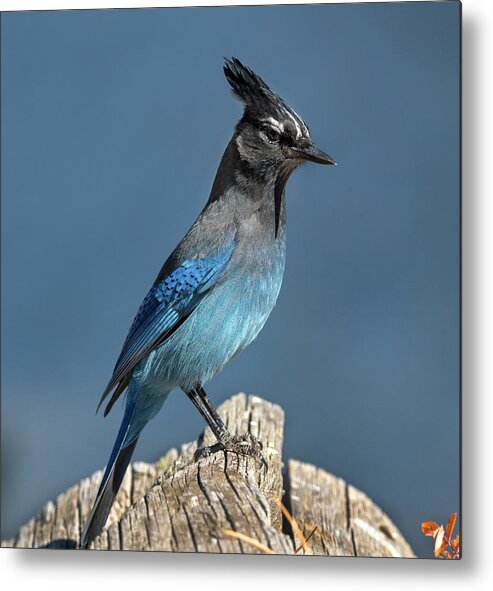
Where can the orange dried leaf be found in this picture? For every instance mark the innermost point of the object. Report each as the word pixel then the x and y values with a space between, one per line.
pixel 262 547
pixel 440 544
pixel 456 543
pixel 449 530
pixel 429 528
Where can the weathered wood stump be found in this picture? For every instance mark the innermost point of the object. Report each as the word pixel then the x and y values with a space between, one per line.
pixel 180 505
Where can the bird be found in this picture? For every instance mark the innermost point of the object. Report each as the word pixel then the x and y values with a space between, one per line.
pixel 216 290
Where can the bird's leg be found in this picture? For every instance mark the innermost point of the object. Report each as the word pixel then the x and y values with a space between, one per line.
pixel 243 444
pixel 212 418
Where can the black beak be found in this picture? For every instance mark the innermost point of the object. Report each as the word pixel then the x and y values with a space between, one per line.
pixel 313 154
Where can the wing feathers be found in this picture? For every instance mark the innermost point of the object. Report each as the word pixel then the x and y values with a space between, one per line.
pixel 169 302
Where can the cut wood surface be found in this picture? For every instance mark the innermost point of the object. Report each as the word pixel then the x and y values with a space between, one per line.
pixel 224 503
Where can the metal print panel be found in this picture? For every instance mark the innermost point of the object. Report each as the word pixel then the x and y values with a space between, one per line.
pixel 176 232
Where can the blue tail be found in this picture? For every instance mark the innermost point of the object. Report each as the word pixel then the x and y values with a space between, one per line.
pixel 112 479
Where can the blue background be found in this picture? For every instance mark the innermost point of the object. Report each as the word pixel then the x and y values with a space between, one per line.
pixel 113 124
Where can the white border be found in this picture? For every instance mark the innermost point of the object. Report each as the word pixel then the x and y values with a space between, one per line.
pixel 52 570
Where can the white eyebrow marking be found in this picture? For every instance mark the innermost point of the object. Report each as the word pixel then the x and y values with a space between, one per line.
pixel 295 118
pixel 274 123
pixel 298 122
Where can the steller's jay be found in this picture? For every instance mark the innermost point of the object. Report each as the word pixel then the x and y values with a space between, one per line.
pixel 218 287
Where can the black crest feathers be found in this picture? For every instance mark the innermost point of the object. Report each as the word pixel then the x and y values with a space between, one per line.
pixel 260 100
pixel 247 86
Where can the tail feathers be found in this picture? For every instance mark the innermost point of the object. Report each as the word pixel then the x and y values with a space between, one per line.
pixel 112 479
pixel 106 495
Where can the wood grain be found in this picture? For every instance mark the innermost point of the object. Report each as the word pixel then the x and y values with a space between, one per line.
pixel 180 505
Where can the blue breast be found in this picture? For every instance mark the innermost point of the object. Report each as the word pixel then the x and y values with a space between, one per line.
pixel 228 318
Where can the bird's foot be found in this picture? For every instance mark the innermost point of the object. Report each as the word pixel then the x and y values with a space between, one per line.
pixel 246 445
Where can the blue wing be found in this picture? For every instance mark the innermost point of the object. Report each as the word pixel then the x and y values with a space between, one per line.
pixel 169 302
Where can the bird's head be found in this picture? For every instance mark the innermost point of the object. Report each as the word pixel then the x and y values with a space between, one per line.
pixel 270 137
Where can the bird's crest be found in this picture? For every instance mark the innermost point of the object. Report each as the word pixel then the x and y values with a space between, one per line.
pixel 259 99
pixel 246 84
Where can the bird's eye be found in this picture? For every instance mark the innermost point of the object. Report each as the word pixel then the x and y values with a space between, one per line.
pixel 272 134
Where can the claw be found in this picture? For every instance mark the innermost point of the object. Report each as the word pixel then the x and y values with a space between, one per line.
pixel 203 452
pixel 246 445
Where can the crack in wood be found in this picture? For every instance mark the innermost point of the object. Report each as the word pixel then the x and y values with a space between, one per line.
pixel 349 526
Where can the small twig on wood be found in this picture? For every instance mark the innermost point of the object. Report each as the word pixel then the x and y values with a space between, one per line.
pixel 304 544
pixel 296 530
pixel 262 547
